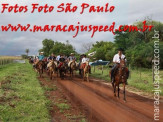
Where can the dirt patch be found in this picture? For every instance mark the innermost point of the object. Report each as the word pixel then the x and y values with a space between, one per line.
pixel 63 106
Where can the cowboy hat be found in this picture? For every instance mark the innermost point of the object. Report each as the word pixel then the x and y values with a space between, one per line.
pixel 120 49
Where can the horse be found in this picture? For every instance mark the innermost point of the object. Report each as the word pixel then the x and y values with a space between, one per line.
pixel 120 77
pixel 62 70
pixel 52 69
pixel 72 68
pixel 39 67
pixel 85 72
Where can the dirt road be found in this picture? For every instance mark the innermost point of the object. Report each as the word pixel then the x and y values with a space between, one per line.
pixel 101 103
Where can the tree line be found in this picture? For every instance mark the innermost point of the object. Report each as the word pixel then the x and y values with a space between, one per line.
pixel 138 46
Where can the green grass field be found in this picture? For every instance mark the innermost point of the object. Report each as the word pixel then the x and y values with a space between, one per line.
pixel 139 78
pixel 21 96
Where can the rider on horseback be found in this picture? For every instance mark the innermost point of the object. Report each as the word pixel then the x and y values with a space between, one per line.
pixel 40 58
pixel 116 61
pixel 50 59
pixel 61 60
pixel 71 59
pixel 84 60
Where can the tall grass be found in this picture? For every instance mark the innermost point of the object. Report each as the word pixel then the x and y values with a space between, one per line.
pixel 8 59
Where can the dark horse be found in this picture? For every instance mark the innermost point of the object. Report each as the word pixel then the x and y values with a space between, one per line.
pixel 120 77
pixel 62 70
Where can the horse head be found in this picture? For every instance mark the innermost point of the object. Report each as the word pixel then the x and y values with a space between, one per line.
pixel 123 62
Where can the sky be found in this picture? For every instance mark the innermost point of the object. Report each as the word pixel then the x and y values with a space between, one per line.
pixel 125 12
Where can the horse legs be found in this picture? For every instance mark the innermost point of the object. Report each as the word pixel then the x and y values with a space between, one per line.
pixel 124 92
pixel 83 75
pixel 115 90
pixel 87 77
pixel 57 72
pixel 118 90
pixel 51 74
pixel 40 73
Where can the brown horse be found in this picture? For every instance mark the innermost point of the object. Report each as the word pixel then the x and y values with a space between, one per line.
pixel 73 67
pixel 39 67
pixel 120 77
pixel 85 72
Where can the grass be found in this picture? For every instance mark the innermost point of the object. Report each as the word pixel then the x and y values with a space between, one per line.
pixel 139 78
pixel 50 89
pixel 21 96
pixel 62 106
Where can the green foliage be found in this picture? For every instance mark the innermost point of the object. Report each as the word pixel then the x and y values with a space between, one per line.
pixel 138 46
pixel 47 46
pixel 24 56
pixel 104 50
pixel 50 46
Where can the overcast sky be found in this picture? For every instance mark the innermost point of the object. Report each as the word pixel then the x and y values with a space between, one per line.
pixel 126 12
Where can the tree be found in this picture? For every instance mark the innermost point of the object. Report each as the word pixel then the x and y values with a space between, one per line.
pixel 47 46
pixel 61 48
pixel 139 45
pixel 27 51
pixel 50 46
pixel 104 50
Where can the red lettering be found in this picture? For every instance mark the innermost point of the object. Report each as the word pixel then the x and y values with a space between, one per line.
pixel 84 6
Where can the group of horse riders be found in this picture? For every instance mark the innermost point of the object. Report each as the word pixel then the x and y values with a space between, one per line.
pixel 82 61
pixel 119 72
pixel 60 59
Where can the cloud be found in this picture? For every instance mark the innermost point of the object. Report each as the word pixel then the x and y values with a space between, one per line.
pixel 126 12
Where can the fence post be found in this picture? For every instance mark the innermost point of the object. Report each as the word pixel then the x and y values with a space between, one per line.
pixel 102 69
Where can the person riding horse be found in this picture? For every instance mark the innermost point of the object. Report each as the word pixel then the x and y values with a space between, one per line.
pixel 50 59
pixel 83 63
pixel 71 59
pixel 40 58
pixel 61 60
pixel 116 61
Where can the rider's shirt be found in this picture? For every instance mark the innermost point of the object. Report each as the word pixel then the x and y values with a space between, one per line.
pixel 58 57
pixel 52 58
pixel 84 60
pixel 71 58
pixel 62 59
pixel 117 58
pixel 41 57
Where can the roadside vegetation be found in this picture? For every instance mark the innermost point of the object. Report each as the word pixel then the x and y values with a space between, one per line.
pixel 140 78
pixel 21 96
pixel 8 59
